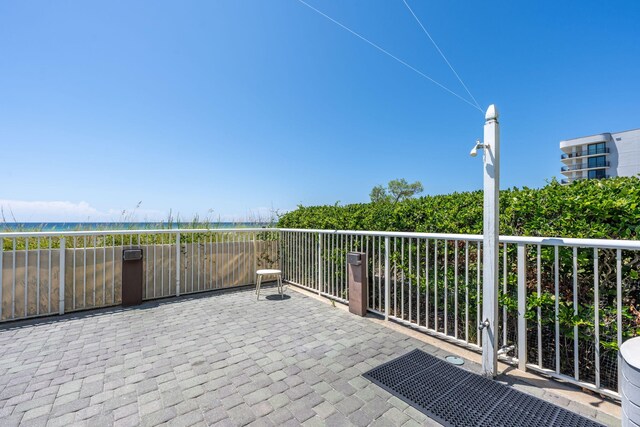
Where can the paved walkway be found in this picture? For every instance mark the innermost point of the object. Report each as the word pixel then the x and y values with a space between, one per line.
pixel 219 359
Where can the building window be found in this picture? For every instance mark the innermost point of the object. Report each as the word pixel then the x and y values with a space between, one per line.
pixel 597 162
pixel 597 174
pixel 598 148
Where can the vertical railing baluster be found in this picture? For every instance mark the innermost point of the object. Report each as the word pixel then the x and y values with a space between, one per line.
pixel 104 269
pixel 95 249
pixel 38 276
pixel 386 278
pixel 26 276
pixel 162 238
pixel 153 268
pixel 319 263
pixel 539 293
pixel 237 247
pixel 326 264
pixel 478 307
pixel 619 295
pixel 169 267
pixel 504 292
pixel 576 367
pixel 309 256
pixel 418 282
pixel 310 261
pixel 192 264
pixel 84 271
pixel 202 261
pixel 426 284
pixel 379 274
pixel 49 308
pixel 62 273
pixel 75 245
pixel 522 306
pixel 113 269
pixel 395 276
pixel 410 280
pixel 402 281
pixel 466 291
pixel 435 285
pixel 446 290
pixel 216 263
pixel 323 263
pixel 343 260
pixel 373 272
pixel 13 284
pixel 332 266
pixel 455 286
pixel 178 264
pixel 556 283
pixel 326 239
pixel 596 311
pixel 145 262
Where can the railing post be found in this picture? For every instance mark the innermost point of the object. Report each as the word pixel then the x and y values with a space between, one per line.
pixel 319 263
pixel 178 253
pixel 63 273
pixel 491 237
pixel 522 306
pixel 387 290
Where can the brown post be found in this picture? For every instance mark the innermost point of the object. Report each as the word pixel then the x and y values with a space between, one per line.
pixel 357 267
pixel 131 277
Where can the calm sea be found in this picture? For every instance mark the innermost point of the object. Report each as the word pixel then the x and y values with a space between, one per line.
pixel 71 226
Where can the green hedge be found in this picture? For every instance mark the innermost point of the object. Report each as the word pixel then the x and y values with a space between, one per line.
pixel 585 209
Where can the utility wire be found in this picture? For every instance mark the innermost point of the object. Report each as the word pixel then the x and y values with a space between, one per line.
pixel 392 56
pixel 441 54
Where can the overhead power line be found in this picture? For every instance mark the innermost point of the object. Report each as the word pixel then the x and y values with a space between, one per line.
pixel 391 55
pixel 441 54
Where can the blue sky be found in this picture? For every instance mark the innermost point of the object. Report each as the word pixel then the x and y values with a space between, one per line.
pixel 232 108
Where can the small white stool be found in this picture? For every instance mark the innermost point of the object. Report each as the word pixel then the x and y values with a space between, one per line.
pixel 268 272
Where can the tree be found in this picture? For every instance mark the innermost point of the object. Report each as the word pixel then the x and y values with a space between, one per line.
pixel 396 191
pixel 379 194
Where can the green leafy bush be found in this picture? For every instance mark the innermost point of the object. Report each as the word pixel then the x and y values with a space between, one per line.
pixel 605 209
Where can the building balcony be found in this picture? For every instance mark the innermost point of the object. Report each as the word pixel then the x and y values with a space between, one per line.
pixel 588 153
pixel 585 166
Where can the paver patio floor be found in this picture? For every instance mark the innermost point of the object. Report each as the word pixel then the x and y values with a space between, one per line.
pixel 215 359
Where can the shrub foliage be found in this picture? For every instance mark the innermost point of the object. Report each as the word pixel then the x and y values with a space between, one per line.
pixel 606 209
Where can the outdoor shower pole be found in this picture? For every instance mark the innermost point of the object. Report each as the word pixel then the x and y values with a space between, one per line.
pixel 491 234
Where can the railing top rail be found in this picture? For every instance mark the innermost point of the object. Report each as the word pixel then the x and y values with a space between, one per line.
pixel 474 237
pixel 546 241
pixel 53 233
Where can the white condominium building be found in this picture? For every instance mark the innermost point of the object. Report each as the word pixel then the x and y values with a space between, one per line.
pixel 601 156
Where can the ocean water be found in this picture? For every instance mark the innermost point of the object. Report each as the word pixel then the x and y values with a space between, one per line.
pixel 81 226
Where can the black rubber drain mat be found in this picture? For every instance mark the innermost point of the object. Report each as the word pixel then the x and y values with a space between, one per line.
pixel 455 397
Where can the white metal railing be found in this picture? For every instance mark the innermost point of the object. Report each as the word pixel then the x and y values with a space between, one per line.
pixel 44 273
pixel 561 300
pixel 566 305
